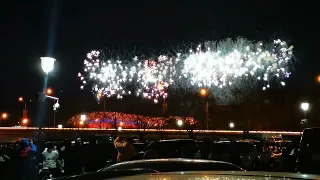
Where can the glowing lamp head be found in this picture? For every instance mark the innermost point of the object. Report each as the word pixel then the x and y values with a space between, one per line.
pixel 83 117
pixel 25 121
pixel 47 64
pixel 304 106
pixel 4 116
pixel 49 91
pixel 160 87
pixel 318 78
pixel 20 99
pixel 231 125
pixel 60 126
pixel 81 122
pixel 179 122
pixel 203 92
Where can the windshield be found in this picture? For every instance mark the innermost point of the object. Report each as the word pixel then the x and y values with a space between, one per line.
pixel 174 148
pixel 245 147
pixel 310 139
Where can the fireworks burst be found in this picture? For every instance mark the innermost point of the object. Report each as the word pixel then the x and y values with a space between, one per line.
pixel 109 77
pixel 225 65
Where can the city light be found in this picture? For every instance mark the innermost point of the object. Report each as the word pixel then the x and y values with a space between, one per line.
pixel 304 106
pixel 49 91
pixel 179 122
pixel 24 111
pixel 160 86
pixel 318 79
pixel 99 96
pixel 25 121
pixel 81 122
pixel 60 126
pixel 47 64
pixel 121 123
pixel 83 117
pixel 231 125
pixel 4 115
pixel 119 128
pixel 203 92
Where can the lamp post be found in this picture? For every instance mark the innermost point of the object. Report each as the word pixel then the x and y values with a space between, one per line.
pixel 25 121
pixel 305 107
pixel 83 118
pixel 20 99
pixel 231 125
pixel 56 104
pixel 47 65
pixel 80 124
pixel 204 93
pixel 99 96
pixel 3 116
pixel 25 111
pixel 180 122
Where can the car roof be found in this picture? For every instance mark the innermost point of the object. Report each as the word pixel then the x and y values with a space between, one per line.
pixel 228 175
pixel 162 164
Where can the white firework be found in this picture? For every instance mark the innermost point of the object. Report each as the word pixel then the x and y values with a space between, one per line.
pixel 223 64
pixel 218 66
pixel 109 77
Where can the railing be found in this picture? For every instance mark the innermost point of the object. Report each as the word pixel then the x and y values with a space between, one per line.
pixel 157 130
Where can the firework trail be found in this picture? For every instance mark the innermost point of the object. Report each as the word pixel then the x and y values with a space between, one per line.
pixel 221 67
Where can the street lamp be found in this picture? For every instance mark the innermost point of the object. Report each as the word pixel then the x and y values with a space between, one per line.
pixel 179 122
pixel 25 121
pixel 163 87
pixel 204 93
pixel 231 125
pixel 47 65
pixel 318 78
pixel 305 107
pixel 49 91
pixel 99 96
pixel 56 104
pixel 83 117
pixel 24 111
pixel 4 116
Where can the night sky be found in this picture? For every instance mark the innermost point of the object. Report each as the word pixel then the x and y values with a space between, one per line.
pixel 67 30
